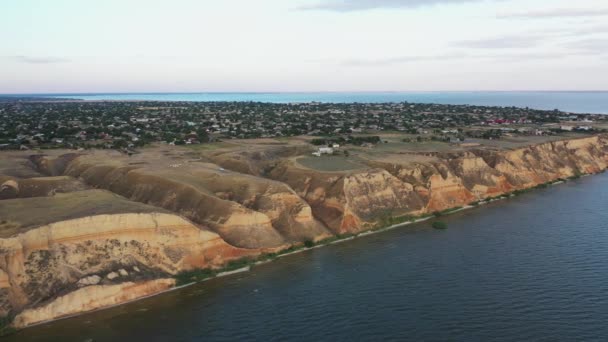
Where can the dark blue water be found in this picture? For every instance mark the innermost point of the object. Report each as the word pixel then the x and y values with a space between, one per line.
pixel 581 102
pixel 531 268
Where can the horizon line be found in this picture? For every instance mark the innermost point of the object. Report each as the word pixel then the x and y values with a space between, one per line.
pixel 304 92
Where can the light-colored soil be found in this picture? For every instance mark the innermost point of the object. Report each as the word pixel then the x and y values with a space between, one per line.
pixel 19 215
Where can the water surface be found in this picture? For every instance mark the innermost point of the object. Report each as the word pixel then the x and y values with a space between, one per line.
pixel 569 101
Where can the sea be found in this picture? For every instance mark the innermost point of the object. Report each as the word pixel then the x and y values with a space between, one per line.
pixel 529 268
pixel 569 101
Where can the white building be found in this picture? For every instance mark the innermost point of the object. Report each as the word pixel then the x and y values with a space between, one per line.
pixel 326 150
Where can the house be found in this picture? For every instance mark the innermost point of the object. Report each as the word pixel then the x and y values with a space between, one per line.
pixel 326 150
pixel 316 154
pixel 335 145
pixel 566 128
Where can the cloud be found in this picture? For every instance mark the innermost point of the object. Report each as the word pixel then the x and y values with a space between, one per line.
pixel 361 5
pixel 38 60
pixel 402 60
pixel 597 29
pixel 590 46
pixel 504 57
pixel 506 42
pixel 556 13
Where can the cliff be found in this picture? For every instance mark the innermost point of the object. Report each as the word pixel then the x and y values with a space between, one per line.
pixel 352 201
pixel 42 263
pixel 67 249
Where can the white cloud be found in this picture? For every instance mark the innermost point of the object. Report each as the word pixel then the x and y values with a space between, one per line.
pixel 590 45
pixel 37 60
pixel 360 5
pixel 505 42
pixel 512 57
pixel 556 13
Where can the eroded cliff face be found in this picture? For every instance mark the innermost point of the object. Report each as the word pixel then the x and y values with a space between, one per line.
pixel 92 297
pixel 350 202
pixel 12 187
pixel 58 259
pixel 173 216
pixel 246 211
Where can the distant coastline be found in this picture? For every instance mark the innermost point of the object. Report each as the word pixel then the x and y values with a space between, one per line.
pixel 593 102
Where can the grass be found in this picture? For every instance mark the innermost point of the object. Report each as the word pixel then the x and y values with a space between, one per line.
pixel 330 163
pixel 19 216
pixel 210 146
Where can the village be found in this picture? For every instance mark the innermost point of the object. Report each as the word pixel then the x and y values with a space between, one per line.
pixel 27 123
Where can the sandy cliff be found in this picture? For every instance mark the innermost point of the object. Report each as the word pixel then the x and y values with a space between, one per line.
pixel 246 211
pixel 60 259
pixel 351 201
pixel 173 215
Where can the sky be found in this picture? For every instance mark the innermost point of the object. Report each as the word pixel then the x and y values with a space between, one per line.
pixel 59 46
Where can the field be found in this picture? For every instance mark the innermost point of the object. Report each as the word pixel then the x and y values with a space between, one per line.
pixel 18 215
pixel 331 163
pixel 211 146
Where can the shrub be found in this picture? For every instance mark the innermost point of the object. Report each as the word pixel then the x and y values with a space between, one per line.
pixel 289 250
pixel 267 256
pixel 236 264
pixel 193 276
pixel 5 325
pixel 439 225
pixel 309 244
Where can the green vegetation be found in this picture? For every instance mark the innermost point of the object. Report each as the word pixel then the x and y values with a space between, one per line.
pixel 5 325
pixel 133 124
pixel 201 274
pixel 439 225
pixel 389 219
pixel 357 141
pixel 193 276
pixel 309 243
pixel 446 211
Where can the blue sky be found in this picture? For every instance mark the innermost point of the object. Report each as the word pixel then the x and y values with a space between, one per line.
pixel 302 45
